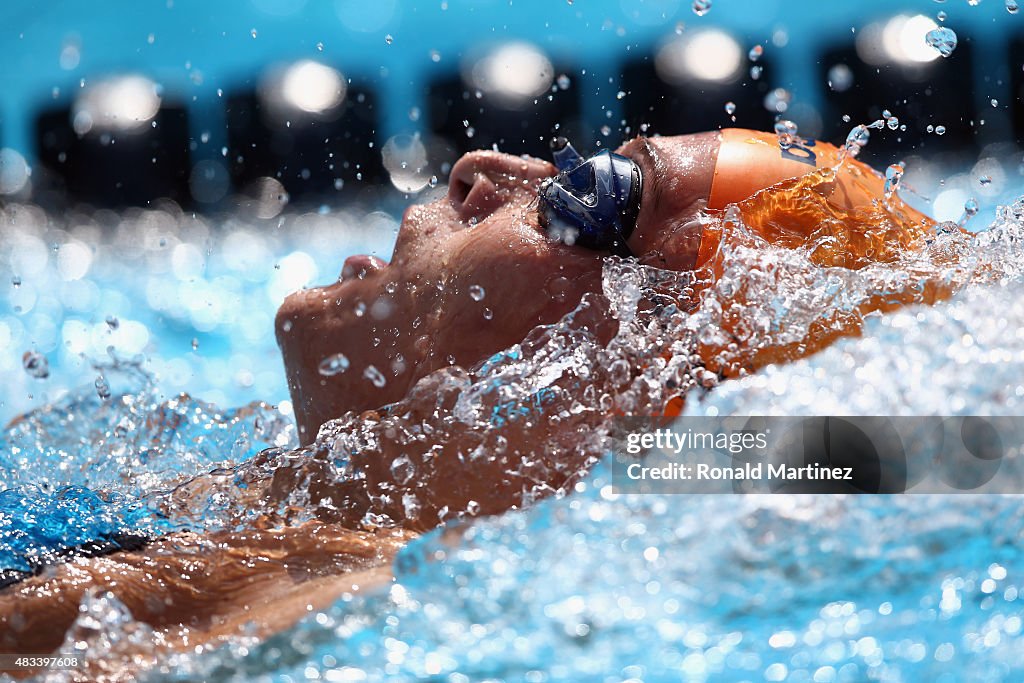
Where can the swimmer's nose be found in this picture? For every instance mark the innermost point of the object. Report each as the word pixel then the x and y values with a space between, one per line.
pixel 481 182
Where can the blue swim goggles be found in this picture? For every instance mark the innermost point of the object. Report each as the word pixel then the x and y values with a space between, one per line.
pixel 591 202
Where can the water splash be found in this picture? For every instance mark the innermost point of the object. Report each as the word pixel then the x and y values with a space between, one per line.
pixel 856 140
pixel 66 482
pixel 893 175
pixel 970 211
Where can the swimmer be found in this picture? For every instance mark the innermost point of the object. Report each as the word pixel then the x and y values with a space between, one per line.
pixel 515 244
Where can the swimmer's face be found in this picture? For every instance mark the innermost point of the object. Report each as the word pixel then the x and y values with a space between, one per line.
pixel 471 274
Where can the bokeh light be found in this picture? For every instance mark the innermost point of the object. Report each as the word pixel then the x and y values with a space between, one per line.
pixel 515 72
pixel 709 55
pixel 123 103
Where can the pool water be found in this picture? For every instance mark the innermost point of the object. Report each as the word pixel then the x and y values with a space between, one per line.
pixel 582 584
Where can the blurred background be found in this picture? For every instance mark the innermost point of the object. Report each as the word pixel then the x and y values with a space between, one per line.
pixel 170 169
pixel 122 103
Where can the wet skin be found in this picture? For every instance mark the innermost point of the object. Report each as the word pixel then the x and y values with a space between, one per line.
pixel 420 312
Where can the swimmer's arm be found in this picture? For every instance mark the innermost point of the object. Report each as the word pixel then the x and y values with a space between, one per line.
pixel 192 589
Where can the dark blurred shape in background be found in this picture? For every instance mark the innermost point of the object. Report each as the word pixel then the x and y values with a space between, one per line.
pixel 307 128
pixel 512 98
pixel 119 144
pixel 887 68
pixel 700 80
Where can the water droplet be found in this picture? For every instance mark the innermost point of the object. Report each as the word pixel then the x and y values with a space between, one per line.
pixel 252 33
pixel 435 56
pixel 994 102
pixel 1012 7
pixel 359 309
pixel 620 95
pixel 892 122
pixel 414 114
pixel 941 16
pixel 942 39
pixel 319 47
pixel 606 130
pixel 680 27
pixel 102 388
pixel 477 293
pixel 16 281
pixel 563 82
pixel 333 365
pixel 389 39
pixel 433 181
pixel 701 7
pixel 488 314
pixel 195 343
pixel 755 72
pixel 930 128
pixel 402 469
pixel 730 108
pixel 375 376
pixel 856 140
pixel 940 130
pixel 984 180
pixel 35 365
pixel 786 131
pixel 473 507
pixel 755 53
pixel 970 211
pixel 112 322
pixel 893 174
